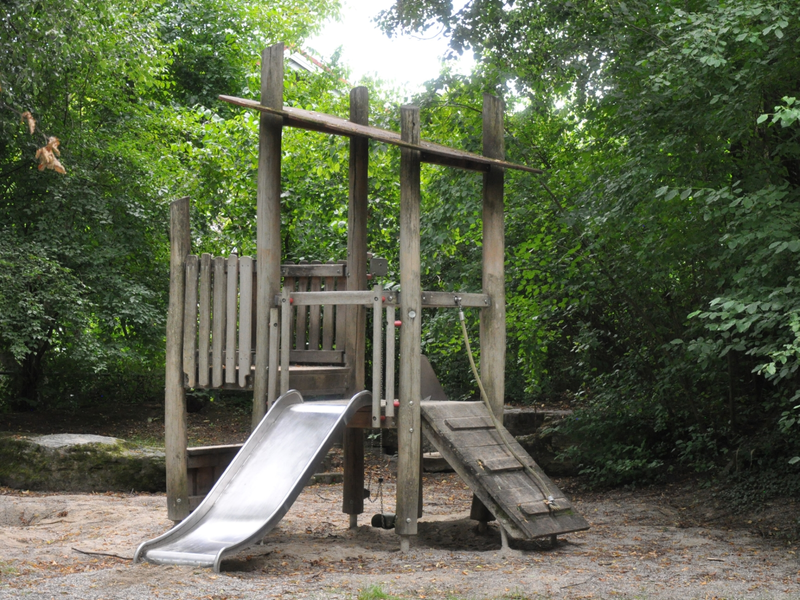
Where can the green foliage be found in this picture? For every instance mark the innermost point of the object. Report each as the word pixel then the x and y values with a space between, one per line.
pixel 85 256
pixel 653 280
pixel 375 592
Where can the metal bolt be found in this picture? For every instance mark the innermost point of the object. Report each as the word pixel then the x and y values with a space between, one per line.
pixel 411 430
pixel 179 500
pixel 412 314
pixel 408 519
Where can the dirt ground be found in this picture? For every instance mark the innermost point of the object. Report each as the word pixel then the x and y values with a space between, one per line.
pixel 669 541
pixel 665 542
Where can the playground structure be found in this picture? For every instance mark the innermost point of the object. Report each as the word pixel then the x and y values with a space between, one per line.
pixel 255 324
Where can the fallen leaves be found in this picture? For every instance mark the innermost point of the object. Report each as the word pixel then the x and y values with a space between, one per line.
pixel 46 156
pixel 27 117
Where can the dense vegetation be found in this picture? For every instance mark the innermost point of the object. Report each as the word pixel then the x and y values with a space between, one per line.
pixel 651 273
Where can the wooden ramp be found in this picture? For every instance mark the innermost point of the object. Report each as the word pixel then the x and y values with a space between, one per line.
pixel 464 434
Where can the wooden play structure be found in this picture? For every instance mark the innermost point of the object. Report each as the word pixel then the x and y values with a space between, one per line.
pixel 253 323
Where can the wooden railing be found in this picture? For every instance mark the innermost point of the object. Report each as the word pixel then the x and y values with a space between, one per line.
pixel 220 319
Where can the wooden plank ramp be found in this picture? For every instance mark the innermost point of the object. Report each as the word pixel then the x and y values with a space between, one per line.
pixel 464 435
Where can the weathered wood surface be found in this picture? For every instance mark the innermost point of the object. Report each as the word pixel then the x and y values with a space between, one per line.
pixel 226 311
pixel 314 316
pixel 231 322
pixel 317 298
pixel 245 318
pixel 175 399
pixel 408 426
pixel 286 339
pixel 268 216
pixel 328 317
pixel 354 337
pixel 496 478
pixel 390 360
pixel 274 343
pixel 377 353
pixel 429 152
pixel 443 299
pixel 493 317
pixel 190 323
pixel 204 330
pixel 312 270
pixel 219 314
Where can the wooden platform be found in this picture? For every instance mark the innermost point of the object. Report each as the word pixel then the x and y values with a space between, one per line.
pixel 464 434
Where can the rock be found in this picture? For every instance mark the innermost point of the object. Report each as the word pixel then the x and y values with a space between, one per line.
pixel 79 463
pixel 434 462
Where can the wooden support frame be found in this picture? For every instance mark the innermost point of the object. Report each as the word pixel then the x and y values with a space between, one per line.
pixel 493 317
pixel 409 421
pixel 226 360
pixel 175 399
pixel 355 342
pixel 268 215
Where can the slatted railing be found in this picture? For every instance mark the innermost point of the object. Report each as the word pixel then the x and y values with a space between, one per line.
pixel 220 319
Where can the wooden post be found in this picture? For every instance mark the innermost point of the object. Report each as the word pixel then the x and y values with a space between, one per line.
pixel 268 218
pixel 175 399
pixel 408 420
pixel 493 317
pixel 355 340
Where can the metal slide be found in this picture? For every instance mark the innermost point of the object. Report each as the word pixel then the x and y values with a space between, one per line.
pixel 260 485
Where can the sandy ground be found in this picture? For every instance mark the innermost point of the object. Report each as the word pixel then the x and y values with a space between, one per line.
pixel 641 545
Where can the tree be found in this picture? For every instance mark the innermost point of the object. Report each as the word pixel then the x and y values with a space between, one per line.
pixel 84 251
pixel 662 278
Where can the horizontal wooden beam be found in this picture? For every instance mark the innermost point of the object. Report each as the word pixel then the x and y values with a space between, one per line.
pixel 442 299
pixel 329 298
pixel 454 299
pixel 430 152
pixel 317 356
pixel 314 270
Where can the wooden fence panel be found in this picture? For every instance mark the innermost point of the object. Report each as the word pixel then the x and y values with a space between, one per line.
pixel 205 321
pixel 230 333
pixel 313 316
pixel 219 314
pixel 245 317
pixel 328 318
pixel 190 323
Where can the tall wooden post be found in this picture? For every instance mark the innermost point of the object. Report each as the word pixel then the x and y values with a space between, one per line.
pixel 268 219
pixel 493 317
pixel 408 420
pixel 355 341
pixel 175 399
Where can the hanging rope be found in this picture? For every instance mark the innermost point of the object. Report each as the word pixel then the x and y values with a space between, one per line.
pixel 543 487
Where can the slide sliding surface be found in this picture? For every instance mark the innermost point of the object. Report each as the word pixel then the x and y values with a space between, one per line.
pixel 260 485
